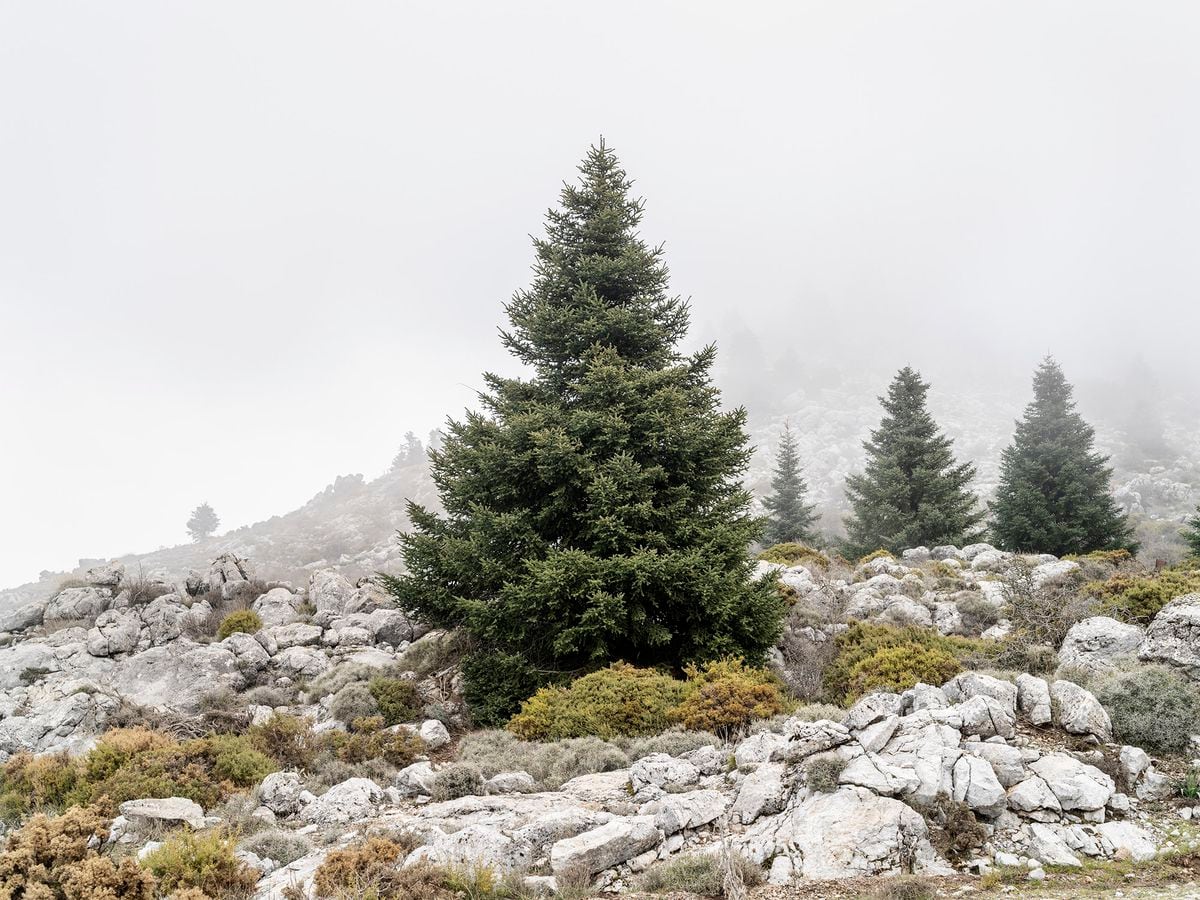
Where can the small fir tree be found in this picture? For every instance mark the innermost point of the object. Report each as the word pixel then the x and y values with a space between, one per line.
pixel 912 492
pixel 790 518
pixel 202 522
pixel 1054 494
pixel 593 512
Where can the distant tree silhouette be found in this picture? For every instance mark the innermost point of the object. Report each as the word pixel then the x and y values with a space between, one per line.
pixel 790 519
pixel 203 522
pixel 410 452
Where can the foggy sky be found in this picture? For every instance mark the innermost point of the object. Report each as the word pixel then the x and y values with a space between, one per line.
pixel 245 246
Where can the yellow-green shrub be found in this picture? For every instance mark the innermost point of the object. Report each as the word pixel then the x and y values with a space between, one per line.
pixel 863 640
pixel 289 740
pixel 202 860
pixel 876 554
pixel 899 668
pixel 397 698
pixel 130 763
pixel 794 554
pixel 618 700
pixel 246 621
pixel 1138 598
pixel 726 696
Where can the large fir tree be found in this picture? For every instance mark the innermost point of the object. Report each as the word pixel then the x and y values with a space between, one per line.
pixel 790 517
pixel 913 492
pixel 1191 534
pixel 1054 488
pixel 202 522
pixel 594 511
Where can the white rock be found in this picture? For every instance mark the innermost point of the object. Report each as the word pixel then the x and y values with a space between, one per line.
pixel 1173 637
pixel 1076 711
pixel 1099 643
pixel 508 783
pixel 434 734
pixel 762 792
pixel 606 846
pixel 1076 785
pixel 976 784
pixel 166 809
pixel 1033 699
pixel 1129 840
pixel 280 793
pixel 350 801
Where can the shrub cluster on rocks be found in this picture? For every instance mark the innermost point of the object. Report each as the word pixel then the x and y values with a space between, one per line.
pixel 724 697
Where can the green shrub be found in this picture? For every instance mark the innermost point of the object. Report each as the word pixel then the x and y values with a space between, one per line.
pixel 725 696
pixel 1152 707
pixel 131 763
pixel 456 780
pixel 202 860
pixel 1138 598
pixel 897 669
pixel 618 700
pixel 397 699
pixel 978 613
pixel 849 674
pixel 822 771
pixel 874 555
pixel 354 701
pixel 794 554
pixel 245 621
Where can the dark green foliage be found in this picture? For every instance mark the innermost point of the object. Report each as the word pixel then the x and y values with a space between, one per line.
pixel 593 511
pixel 1054 488
pixel 397 698
pixel 791 519
pixel 1191 534
pixel 912 493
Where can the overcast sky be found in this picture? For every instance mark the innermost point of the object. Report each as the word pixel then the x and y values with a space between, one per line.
pixel 245 246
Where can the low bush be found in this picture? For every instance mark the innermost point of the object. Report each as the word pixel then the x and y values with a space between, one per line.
pixel 1042 613
pixel 354 701
pixel 697 873
pixel 243 620
pixel 288 739
pixel 284 847
pixel 978 614
pixel 793 554
pixel 1138 598
pixel 456 780
pixel 882 657
pixel 725 696
pixel 132 763
pixel 874 555
pixel 399 749
pixel 905 887
pixel 372 870
pixel 955 832
pixel 1152 707
pixel 51 858
pixel 205 861
pixel 673 742
pixel 397 699
pixel 618 700
pixel 550 764
pixel 897 669
pixel 821 772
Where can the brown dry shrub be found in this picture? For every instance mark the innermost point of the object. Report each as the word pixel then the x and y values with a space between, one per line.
pixel 372 868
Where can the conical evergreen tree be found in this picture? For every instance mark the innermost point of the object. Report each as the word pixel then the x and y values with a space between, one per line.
pixel 1054 488
pixel 593 512
pixel 202 522
pixel 1191 534
pixel 913 492
pixel 790 519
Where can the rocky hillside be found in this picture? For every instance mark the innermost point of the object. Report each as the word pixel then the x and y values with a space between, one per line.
pixel 312 716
